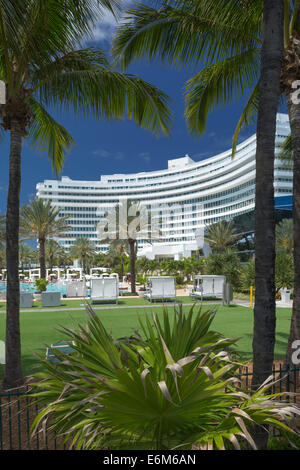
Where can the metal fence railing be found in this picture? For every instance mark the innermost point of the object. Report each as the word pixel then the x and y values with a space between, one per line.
pixel 18 411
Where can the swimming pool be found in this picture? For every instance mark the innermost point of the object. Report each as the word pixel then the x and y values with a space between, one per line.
pixel 28 287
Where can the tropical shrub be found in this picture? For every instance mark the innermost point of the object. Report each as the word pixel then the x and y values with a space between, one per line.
pixel 284 270
pixel 227 264
pixel 171 385
pixel 41 284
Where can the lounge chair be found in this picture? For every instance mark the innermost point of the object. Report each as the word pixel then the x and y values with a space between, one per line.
pixel 64 347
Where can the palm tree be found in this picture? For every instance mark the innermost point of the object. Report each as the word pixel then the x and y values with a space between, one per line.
pixel 227 36
pixel 127 214
pixel 284 236
pixel 121 248
pixel 232 51
pixel 52 252
pixel 221 236
pixel 25 253
pixel 41 220
pixel 43 67
pixel 83 249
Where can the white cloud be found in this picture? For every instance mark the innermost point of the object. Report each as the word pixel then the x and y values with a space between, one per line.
pixel 104 29
pixel 102 153
pixel 145 156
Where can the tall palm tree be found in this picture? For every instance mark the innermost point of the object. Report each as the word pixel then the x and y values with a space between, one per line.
pixel 44 66
pixel 236 59
pixel 221 235
pixel 83 249
pixel 41 220
pixel 120 231
pixel 25 253
pixel 121 248
pixel 225 35
pixel 52 251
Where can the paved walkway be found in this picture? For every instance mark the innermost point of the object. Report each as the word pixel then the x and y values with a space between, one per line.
pixel 279 303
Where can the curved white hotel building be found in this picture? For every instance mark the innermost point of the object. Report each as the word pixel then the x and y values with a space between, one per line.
pixel 186 197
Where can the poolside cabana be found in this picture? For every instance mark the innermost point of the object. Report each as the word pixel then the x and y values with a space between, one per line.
pixel 104 289
pixel 160 288
pixel 211 286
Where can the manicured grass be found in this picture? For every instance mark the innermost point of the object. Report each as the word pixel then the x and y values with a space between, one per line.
pixel 38 329
pixel 122 301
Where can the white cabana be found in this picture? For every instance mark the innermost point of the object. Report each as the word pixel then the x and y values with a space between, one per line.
pixel 95 272
pixel 209 286
pixel 34 274
pixel 104 289
pixel 55 272
pixel 160 288
pixel 72 273
pixel 76 289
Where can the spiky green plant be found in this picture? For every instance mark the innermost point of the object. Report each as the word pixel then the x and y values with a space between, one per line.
pixel 172 386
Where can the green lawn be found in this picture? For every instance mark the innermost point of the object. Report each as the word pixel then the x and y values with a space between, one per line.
pixel 38 329
pixel 123 301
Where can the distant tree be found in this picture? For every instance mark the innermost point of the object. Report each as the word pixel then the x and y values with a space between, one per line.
pixel 284 270
pixel 285 236
pixel 121 248
pixel 84 250
pixel 248 274
pixel 226 263
pixel 25 254
pixel 221 236
pixel 127 228
pixel 41 220
pixel 53 251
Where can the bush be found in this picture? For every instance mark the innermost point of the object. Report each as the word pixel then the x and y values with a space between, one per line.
pixel 152 391
pixel 179 279
pixel 41 284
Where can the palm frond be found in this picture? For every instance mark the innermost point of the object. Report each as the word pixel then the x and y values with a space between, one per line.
pixel 220 83
pixel 186 35
pixel 49 137
pixel 104 93
pixel 248 116
pixel 286 152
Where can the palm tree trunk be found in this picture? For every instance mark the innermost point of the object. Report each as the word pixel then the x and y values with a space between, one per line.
pixel 132 264
pixel 122 268
pixel 42 258
pixel 264 310
pixel 50 263
pixel 13 375
pixel 294 117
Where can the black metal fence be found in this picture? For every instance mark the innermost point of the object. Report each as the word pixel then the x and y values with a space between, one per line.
pixel 18 411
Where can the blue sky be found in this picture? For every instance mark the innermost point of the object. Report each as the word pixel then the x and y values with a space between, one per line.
pixel 121 146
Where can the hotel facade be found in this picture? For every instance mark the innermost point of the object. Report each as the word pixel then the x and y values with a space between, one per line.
pixel 184 198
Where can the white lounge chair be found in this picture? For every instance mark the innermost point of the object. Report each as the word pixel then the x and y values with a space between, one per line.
pixel 161 288
pixel 104 289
